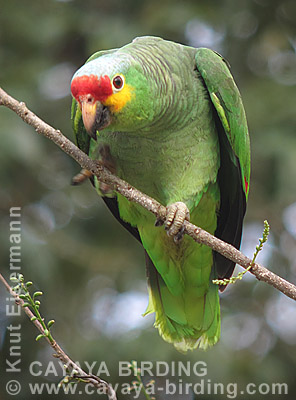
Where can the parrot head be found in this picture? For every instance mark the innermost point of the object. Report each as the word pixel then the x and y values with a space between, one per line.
pixel 112 91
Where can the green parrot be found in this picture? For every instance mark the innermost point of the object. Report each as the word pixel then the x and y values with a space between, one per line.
pixel 169 120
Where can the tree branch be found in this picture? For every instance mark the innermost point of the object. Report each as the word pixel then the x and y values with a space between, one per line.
pixel 132 194
pixel 59 352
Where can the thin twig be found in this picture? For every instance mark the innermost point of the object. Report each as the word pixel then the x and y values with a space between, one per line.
pixel 59 352
pixel 132 194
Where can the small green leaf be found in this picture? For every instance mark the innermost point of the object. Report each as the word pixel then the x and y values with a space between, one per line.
pixel 46 332
pixel 26 305
pixel 37 294
pixel 33 318
pixel 50 323
pixel 29 283
pixel 240 275
pixel 23 296
pixel 14 279
pixel 37 303
pixel 39 337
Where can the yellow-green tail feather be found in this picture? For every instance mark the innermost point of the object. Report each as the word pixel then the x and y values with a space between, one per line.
pixel 187 326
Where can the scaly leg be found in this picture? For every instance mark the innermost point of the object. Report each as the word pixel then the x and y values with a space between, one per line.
pixel 176 214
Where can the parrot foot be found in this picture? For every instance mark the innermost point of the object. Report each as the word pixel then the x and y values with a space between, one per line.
pixel 108 162
pixel 177 213
pixel 106 158
pixel 81 177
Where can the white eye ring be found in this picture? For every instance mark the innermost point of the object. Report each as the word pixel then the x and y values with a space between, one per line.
pixel 118 82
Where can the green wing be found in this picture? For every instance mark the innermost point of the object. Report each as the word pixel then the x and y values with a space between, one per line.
pixel 227 101
pixel 234 172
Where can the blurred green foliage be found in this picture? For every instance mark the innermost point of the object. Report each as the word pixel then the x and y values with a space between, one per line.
pixel 92 271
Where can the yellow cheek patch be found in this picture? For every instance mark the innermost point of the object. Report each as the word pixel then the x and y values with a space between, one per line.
pixel 119 99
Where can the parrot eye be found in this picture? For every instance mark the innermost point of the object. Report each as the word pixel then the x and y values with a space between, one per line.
pixel 118 82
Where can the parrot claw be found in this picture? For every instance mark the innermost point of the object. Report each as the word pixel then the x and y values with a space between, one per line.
pixel 179 236
pixel 177 213
pixel 158 222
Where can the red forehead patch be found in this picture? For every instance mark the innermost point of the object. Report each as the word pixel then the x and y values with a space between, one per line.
pixel 100 89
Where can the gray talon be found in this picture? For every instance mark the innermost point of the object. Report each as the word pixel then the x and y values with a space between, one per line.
pixel 179 236
pixel 158 222
pixel 81 177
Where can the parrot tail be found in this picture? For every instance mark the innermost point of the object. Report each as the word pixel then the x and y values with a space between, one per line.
pixel 187 320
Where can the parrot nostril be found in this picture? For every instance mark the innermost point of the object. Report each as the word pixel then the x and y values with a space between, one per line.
pixel 89 99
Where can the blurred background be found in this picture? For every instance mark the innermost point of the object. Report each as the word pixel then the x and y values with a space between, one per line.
pixel 90 269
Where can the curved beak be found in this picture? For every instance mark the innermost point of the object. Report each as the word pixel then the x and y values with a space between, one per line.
pixel 89 111
pixel 95 115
